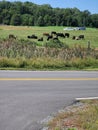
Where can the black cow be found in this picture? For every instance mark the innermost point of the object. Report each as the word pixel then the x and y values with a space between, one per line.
pixel 81 36
pixel 49 37
pixel 67 35
pixel 53 32
pixel 73 37
pixel 32 37
pixel 60 34
pixel 78 37
pixel 28 36
pixel 55 38
pixel 40 39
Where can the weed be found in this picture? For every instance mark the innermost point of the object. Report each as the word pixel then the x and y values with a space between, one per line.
pixel 51 57
pixel 83 117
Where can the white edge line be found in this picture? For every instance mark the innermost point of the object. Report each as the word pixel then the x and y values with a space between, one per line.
pixel 88 98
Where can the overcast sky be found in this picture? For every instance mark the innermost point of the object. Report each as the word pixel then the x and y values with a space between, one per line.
pixel 90 5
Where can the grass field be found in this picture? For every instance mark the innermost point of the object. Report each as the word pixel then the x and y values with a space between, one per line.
pixel 23 31
pixel 63 54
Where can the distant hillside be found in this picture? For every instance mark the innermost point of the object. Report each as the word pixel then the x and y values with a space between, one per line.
pixel 30 14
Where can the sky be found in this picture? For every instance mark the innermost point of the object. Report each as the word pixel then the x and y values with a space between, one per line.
pixel 90 5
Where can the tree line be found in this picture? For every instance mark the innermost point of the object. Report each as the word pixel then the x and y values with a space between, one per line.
pixel 30 14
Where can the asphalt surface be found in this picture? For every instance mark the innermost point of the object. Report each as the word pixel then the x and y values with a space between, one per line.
pixel 27 98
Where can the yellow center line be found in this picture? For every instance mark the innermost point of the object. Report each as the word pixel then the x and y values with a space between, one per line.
pixel 57 79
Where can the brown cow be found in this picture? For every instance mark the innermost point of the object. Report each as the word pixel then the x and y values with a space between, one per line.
pixel 11 36
pixel 45 34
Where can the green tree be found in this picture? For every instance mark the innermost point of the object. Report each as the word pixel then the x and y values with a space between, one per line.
pixel 5 17
pixel 16 19
pixel 85 17
pixel 31 21
pixel 28 13
pixel 40 21
pixel 1 19
pixel 25 19
pixel 47 20
pixel 94 19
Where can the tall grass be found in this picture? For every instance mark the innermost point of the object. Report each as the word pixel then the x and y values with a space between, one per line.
pixel 24 48
pixel 25 54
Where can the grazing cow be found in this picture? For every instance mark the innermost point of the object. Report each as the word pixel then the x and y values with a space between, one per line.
pixel 53 32
pixel 67 35
pixel 11 36
pixel 55 38
pixel 49 37
pixel 40 39
pixel 81 36
pixel 32 36
pixel 77 38
pixel 60 34
pixel 45 34
pixel 73 37
pixel 28 36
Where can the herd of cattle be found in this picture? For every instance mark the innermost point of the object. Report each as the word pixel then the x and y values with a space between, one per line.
pixel 53 35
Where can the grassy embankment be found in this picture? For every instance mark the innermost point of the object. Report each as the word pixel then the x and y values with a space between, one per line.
pixel 77 117
pixel 66 53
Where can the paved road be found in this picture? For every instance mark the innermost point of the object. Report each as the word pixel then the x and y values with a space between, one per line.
pixel 26 98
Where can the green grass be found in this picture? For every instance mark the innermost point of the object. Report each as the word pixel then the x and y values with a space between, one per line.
pixel 65 54
pixel 47 63
pixel 22 31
